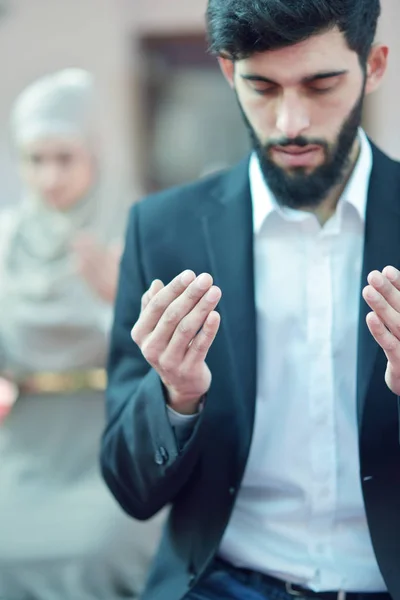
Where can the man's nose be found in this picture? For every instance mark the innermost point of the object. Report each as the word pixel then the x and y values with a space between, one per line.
pixel 293 117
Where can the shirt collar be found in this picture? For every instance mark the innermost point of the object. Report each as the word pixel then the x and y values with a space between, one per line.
pixel 355 193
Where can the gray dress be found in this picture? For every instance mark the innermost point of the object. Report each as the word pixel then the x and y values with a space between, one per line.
pixel 62 535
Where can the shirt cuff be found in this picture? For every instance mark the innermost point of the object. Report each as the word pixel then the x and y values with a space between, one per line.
pixel 183 425
pixel 178 420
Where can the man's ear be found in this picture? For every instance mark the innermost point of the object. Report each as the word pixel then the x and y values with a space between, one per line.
pixel 376 67
pixel 228 69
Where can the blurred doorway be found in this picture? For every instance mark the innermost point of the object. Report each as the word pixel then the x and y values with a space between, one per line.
pixel 192 122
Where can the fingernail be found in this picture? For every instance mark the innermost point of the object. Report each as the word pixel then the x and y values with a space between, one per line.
pixel 373 294
pixel 212 295
pixel 375 279
pixel 187 277
pixel 204 281
pixel 391 273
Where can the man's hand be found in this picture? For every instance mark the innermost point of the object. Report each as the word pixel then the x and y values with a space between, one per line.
pixel 98 265
pixel 175 330
pixel 383 296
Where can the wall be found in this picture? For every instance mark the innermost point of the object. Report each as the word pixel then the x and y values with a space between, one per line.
pixel 382 117
pixel 166 15
pixel 39 36
pixel 382 109
pixel 382 113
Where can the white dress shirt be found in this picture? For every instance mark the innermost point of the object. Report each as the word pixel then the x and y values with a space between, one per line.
pixel 299 514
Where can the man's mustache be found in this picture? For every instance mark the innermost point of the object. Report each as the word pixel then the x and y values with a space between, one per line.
pixel 299 141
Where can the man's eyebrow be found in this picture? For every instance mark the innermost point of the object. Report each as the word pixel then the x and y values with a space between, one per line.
pixel 325 75
pixel 308 79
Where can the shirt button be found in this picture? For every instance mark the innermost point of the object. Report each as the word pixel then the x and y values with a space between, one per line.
pixel 161 456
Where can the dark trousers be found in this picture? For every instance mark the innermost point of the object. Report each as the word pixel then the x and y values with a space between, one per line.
pixel 221 585
pixel 224 582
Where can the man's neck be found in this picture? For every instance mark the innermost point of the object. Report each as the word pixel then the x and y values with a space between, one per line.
pixel 327 208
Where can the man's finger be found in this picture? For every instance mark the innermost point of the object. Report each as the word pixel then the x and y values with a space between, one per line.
pixel 174 319
pixel 189 327
pixel 384 286
pixel 159 303
pixel 145 301
pixel 156 286
pixel 387 315
pixel 387 341
pixel 199 348
pixel 393 275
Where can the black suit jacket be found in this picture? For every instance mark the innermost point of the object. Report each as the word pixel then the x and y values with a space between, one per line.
pixel 207 226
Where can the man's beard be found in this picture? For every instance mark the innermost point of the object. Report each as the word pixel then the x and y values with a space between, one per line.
pixel 299 189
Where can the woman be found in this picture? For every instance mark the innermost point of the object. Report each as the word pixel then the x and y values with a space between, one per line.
pixel 61 534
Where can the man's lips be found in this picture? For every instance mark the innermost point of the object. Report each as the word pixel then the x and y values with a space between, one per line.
pixel 297 156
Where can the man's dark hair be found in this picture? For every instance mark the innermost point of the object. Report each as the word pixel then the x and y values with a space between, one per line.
pixel 239 28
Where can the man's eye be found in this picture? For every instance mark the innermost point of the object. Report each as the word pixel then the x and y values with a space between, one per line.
pixel 321 90
pixel 323 87
pixel 264 90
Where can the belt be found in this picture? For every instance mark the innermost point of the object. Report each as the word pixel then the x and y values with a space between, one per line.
pixel 48 382
pixel 256 580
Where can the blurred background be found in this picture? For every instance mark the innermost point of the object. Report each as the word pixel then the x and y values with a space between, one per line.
pixel 168 116
pixel 164 116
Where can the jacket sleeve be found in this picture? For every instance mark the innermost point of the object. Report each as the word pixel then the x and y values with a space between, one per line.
pixel 141 461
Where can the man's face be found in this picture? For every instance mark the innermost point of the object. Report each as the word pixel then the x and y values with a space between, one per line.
pixel 302 105
pixel 60 171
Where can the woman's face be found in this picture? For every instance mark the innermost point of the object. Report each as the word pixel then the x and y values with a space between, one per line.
pixel 60 171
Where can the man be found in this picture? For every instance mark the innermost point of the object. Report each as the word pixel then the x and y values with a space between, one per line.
pixel 280 453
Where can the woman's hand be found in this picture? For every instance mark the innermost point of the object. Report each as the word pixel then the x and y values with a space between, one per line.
pixel 8 396
pixel 98 265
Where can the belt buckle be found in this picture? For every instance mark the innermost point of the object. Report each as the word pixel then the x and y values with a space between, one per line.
pixel 291 590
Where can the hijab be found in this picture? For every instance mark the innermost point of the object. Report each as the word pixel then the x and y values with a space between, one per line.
pixel 51 320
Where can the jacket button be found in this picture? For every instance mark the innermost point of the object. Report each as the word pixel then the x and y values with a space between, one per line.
pixel 161 456
pixel 192 576
pixel 232 491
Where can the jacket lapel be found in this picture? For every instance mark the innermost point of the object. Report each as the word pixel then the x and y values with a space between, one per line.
pixel 227 226
pixel 382 248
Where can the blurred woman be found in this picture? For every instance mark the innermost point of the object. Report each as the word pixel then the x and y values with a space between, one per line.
pixel 61 535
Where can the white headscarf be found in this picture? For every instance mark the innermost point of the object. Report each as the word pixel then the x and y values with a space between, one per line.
pixel 58 104
pixel 51 319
